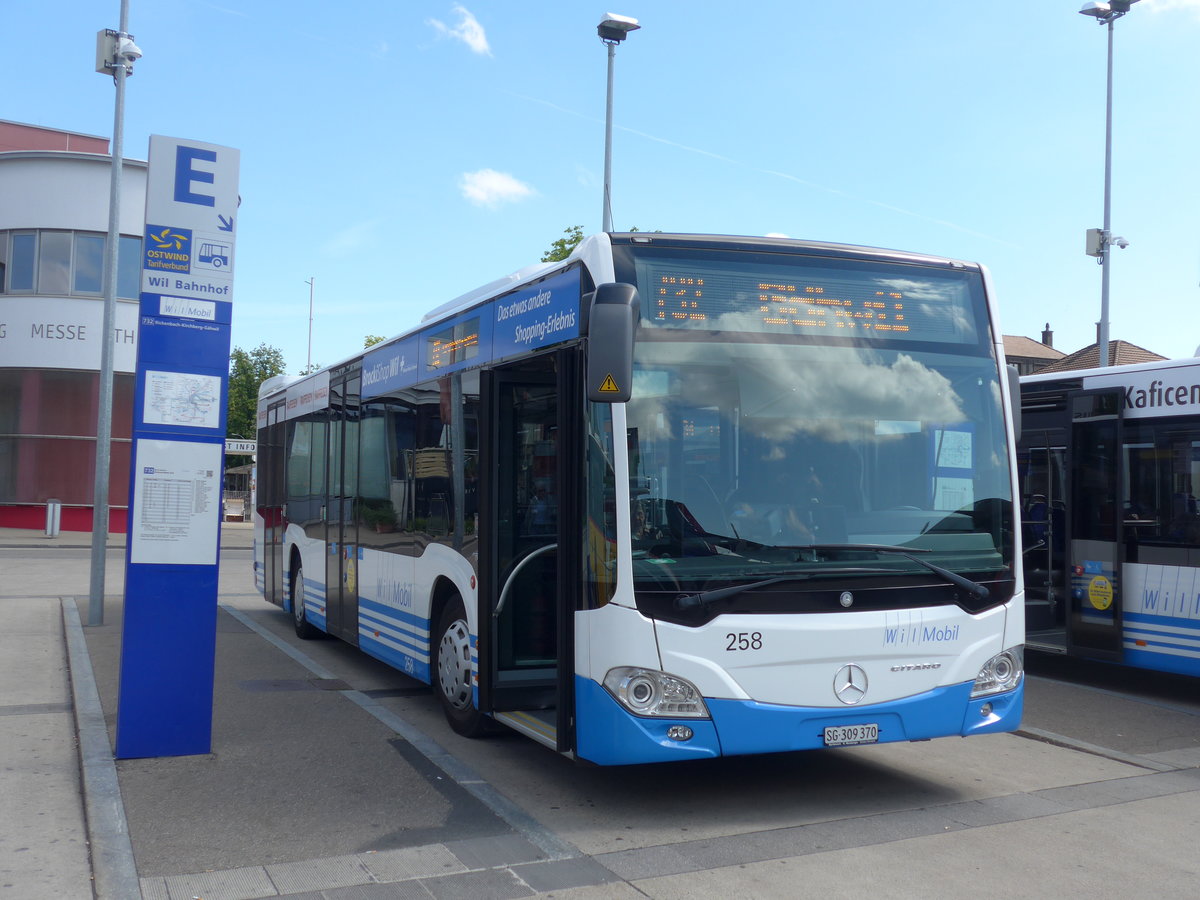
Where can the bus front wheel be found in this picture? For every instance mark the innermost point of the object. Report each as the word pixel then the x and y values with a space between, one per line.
pixel 304 629
pixel 452 671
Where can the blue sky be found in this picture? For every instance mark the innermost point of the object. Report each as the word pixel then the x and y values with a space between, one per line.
pixel 402 153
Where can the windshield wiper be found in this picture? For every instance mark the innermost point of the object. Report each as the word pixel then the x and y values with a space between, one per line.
pixel 704 598
pixel 974 590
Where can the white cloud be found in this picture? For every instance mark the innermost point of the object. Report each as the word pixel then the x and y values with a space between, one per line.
pixel 490 188
pixel 468 30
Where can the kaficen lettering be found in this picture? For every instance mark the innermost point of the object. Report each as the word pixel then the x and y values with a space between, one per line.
pixel 1160 394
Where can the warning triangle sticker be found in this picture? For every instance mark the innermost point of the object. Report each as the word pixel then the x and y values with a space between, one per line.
pixel 609 385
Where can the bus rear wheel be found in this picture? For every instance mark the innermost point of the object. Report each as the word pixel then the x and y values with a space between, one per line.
pixel 304 629
pixel 452 671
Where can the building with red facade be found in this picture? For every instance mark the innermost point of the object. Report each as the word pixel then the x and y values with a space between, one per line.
pixel 54 203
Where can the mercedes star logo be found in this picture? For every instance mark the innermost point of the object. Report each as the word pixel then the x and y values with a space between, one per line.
pixel 850 684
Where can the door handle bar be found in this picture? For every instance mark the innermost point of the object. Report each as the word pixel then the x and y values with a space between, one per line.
pixel 513 574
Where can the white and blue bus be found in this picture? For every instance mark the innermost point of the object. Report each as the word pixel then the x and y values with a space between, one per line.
pixel 1109 472
pixel 674 497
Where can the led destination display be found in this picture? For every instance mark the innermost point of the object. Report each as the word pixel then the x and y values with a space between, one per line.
pixel 899 303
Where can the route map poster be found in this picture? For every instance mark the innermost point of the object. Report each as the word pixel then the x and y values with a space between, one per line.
pixel 179 398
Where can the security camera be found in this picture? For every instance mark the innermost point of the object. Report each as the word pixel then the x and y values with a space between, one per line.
pixel 1121 242
pixel 128 50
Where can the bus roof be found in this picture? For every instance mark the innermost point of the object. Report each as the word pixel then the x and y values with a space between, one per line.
pixel 595 253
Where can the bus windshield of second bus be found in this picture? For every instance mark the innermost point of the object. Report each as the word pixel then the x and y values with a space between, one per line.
pixel 774 430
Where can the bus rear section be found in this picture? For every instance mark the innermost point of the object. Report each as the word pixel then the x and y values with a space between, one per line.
pixel 1109 464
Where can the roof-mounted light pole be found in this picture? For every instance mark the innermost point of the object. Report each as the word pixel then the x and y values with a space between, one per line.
pixel 612 30
pixel 1100 241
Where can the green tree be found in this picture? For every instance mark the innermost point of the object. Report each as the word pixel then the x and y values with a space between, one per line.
pixel 562 248
pixel 247 371
pixel 372 339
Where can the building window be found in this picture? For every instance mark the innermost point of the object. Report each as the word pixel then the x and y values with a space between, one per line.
pixel 129 268
pixel 54 262
pixel 89 264
pixel 66 263
pixel 22 262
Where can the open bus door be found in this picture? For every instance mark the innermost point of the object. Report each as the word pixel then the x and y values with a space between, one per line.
pixel 1042 457
pixel 529 547
pixel 270 493
pixel 1094 529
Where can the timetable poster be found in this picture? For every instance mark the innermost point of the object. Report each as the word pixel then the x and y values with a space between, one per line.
pixel 174 519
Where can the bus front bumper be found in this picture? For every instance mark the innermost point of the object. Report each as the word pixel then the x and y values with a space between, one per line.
pixel 606 734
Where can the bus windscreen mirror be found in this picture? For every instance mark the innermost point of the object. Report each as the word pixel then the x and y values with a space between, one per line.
pixel 1014 397
pixel 611 326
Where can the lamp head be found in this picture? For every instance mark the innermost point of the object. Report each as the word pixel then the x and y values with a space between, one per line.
pixel 1105 11
pixel 614 28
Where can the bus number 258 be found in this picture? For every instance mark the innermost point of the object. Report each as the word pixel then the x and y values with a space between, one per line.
pixel 744 640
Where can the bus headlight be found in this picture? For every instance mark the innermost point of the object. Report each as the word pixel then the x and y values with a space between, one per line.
pixel 1001 673
pixel 647 692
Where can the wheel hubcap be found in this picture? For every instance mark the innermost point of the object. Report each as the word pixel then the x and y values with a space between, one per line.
pixel 298 597
pixel 454 665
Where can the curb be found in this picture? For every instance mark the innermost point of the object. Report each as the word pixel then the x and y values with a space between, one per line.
pixel 114 873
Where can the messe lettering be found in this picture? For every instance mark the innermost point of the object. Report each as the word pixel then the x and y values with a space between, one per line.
pixel 50 331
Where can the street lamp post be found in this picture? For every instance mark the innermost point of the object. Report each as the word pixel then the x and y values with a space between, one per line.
pixel 612 30
pixel 1100 242
pixel 309 282
pixel 115 55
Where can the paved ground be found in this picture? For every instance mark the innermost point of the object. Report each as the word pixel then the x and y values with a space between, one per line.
pixel 324 782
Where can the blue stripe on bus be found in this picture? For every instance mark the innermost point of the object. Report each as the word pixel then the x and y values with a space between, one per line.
pixel 608 735
pixel 407 663
pixel 392 639
pixel 405 632
pixel 417 632
pixel 399 638
pixel 1164 621
pixel 314 603
pixel 1164 643
pixel 1161 639
pixel 1162 661
pixel 390 612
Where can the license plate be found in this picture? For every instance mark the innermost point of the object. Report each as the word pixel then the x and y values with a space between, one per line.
pixel 849 735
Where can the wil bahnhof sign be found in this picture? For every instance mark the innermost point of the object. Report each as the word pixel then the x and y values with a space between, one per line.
pixel 182 385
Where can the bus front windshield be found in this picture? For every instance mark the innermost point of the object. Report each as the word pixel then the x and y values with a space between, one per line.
pixel 768 434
